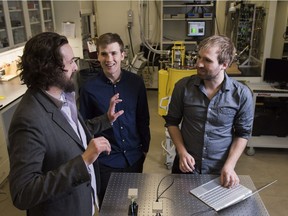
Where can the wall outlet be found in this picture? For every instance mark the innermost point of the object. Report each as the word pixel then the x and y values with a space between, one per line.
pixel 130 17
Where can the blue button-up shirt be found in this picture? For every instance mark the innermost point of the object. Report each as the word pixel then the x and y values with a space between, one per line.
pixel 130 134
pixel 209 126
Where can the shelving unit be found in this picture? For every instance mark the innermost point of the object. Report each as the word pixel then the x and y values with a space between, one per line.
pixel 21 20
pixel 248 36
pixel 17 22
pixel 48 16
pixel 245 28
pixel 3 29
pixel 34 17
pixel 175 18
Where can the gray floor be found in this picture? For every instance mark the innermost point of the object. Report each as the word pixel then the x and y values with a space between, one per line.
pixel 265 166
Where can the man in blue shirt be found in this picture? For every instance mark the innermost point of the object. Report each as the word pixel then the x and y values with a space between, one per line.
pixel 215 112
pixel 129 135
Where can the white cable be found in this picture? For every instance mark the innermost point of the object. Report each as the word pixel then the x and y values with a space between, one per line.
pixel 166 150
pixel 153 60
pixel 142 36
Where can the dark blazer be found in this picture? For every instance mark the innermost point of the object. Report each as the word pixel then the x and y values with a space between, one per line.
pixel 47 173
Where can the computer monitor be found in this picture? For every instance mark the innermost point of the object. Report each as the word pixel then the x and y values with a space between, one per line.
pixel 276 70
pixel 196 28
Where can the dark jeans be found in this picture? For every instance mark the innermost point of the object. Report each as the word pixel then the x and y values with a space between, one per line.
pixel 106 171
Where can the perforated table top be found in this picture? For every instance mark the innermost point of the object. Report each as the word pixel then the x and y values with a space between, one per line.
pixel 177 200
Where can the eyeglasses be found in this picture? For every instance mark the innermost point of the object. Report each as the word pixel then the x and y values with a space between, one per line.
pixel 74 60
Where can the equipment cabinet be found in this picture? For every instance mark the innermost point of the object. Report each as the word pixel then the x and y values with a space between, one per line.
pixel 5 118
pixel 270 117
pixel 21 20
pixel 11 93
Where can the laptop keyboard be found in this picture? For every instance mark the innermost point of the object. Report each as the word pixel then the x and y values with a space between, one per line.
pixel 222 196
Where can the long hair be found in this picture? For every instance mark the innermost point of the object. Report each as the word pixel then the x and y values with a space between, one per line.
pixel 226 49
pixel 108 38
pixel 42 62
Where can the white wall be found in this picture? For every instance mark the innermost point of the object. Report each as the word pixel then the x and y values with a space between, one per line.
pixel 111 16
pixel 71 11
pixel 220 17
pixel 281 22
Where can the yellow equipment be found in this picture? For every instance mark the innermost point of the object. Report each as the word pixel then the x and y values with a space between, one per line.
pixel 166 82
pixel 178 54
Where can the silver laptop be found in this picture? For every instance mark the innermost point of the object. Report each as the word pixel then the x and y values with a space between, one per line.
pixel 219 197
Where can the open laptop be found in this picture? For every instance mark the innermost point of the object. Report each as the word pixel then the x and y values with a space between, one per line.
pixel 219 197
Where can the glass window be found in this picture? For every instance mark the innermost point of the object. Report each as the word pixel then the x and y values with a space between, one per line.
pixel 34 17
pixel 17 21
pixel 48 16
pixel 3 29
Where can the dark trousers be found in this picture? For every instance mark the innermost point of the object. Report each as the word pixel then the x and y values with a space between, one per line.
pixel 106 171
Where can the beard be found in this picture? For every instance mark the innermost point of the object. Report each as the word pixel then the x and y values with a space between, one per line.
pixel 66 84
pixel 205 75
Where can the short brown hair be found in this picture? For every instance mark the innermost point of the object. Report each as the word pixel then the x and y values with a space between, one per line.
pixel 226 51
pixel 108 38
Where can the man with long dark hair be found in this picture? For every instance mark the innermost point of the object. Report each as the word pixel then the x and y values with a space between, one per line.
pixel 52 154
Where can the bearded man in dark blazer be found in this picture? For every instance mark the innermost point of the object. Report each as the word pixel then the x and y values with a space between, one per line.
pixel 52 153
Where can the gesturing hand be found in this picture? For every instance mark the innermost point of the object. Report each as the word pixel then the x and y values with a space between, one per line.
pixel 95 147
pixel 112 116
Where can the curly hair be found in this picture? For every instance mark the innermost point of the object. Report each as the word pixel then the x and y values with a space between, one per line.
pixel 108 38
pixel 226 51
pixel 42 63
